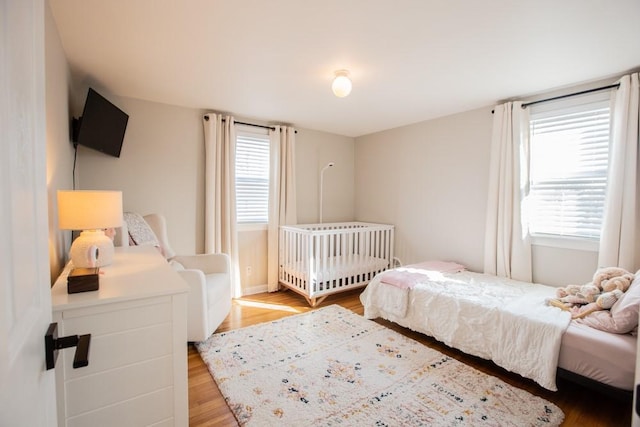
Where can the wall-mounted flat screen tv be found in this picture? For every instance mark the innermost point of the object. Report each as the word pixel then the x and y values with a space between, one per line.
pixel 102 125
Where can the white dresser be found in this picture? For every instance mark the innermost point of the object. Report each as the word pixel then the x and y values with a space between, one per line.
pixel 137 373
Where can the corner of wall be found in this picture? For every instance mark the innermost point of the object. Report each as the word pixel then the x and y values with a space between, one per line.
pixel 59 159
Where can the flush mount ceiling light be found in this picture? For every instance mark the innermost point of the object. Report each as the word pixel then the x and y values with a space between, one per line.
pixel 341 85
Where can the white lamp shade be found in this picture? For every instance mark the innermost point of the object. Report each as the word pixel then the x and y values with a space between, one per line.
pixel 89 210
pixel 341 85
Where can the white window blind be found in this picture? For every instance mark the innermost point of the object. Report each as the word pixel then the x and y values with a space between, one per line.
pixel 252 178
pixel 569 150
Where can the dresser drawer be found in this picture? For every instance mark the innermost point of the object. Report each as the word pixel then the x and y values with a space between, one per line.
pixel 116 317
pixel 117 385
pixel 120 349
pixel 153 409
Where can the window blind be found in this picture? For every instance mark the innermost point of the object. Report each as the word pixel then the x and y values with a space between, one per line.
pixel 252 178
pixel 569 151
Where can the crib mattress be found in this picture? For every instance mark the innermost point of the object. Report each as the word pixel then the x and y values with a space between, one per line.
pixel 335 268
pixel 602 356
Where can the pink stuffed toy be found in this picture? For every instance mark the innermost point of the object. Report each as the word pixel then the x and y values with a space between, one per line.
pixel 621 283
pixel 604 302
pixel 578 295
pixel 607 287
pixel 610 278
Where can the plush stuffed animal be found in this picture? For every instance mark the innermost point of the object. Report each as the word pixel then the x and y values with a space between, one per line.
pixel 604 302
pixel 605 279
pixel 567 290
pixel 621 283
pixel 610 278
pixel 578 295
pixel 589 292
pixel 607 286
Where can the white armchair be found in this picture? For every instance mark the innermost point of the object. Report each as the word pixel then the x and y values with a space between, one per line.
pixel 208 277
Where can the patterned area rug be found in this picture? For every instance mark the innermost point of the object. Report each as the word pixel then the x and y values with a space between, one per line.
pixel 332 367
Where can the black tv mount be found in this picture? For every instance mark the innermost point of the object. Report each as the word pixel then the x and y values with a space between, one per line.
pixel 75 130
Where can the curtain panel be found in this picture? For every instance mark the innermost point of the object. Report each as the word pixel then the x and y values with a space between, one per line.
pixel 619 238
pixel 220 197
pixel 507 251
pixel 282 195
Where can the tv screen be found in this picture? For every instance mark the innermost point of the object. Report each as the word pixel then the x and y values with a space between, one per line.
pixel 101 126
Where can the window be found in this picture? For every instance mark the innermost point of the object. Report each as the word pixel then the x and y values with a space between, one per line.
pixel 569 152
pixel 252 178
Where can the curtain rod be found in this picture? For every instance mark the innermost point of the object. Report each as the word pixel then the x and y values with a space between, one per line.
pixel 584 92
pixel 568 95
pixel 249 124
pixel 254 125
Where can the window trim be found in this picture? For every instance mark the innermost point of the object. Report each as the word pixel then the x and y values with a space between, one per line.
pixel 252 226
pixel 565 242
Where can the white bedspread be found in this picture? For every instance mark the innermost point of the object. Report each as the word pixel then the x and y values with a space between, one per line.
pixel 499 319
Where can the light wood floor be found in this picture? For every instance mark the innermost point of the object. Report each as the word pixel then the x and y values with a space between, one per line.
pixel 581 406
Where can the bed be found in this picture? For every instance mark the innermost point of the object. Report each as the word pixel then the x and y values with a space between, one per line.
pixel 505 321
pixel 317 260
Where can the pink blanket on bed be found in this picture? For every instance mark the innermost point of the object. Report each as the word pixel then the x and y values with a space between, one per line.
pixel 409 276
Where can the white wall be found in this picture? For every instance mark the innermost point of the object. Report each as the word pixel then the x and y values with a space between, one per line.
pixel 58 145
pixel 430 180
pixel 314 150
pixel 557 266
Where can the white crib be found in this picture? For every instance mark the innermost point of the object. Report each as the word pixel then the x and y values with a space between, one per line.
pixel 317 260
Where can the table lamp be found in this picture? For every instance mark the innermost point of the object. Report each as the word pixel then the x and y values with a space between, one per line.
pixel 91 212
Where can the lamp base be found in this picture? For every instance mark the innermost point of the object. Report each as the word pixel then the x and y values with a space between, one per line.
pixel 91 249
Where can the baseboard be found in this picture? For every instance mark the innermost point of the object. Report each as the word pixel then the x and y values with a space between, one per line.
pixel 258 289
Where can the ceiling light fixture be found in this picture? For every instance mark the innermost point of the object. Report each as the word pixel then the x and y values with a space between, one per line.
pixel 341 85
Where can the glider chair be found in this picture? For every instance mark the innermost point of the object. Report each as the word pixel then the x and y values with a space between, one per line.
pixel 208 275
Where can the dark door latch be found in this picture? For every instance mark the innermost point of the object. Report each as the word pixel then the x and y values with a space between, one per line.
pixel 52 344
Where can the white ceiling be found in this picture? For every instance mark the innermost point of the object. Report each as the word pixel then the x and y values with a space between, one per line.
pixel 410 60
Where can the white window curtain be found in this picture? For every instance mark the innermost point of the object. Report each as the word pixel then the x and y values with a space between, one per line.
pixel 507 250
pixel 282 195
pixel 619 241
pixel 220 198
